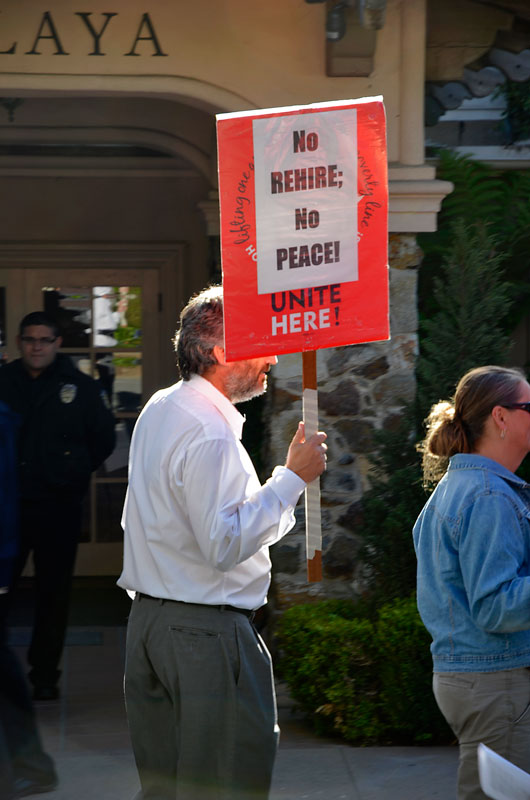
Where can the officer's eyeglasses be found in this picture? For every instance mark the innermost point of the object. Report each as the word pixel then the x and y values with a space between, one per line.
pixel 43 341
pixel 523 406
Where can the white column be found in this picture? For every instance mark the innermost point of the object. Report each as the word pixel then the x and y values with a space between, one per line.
pixel 413 41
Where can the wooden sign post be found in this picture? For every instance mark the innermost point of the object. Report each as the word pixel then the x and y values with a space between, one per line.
pixel 313 527
pixel 304 203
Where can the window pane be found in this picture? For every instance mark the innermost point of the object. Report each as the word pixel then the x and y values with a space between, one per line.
pixel 117 316
pixel 110 498
pixel 82 362
pixel 104 373
pixel 116 464
pixel 119 375
pixel 72 308
pixel 127 382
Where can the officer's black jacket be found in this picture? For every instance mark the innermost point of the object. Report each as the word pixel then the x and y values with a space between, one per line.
pixel 66 429
pixel 9 422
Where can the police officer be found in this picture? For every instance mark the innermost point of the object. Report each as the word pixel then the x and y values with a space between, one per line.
pixel 66 432
pixel 24 766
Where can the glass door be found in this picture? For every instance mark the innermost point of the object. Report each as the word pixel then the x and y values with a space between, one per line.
pixel 108 320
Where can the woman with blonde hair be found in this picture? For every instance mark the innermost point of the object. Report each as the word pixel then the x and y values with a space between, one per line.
pixel 472 541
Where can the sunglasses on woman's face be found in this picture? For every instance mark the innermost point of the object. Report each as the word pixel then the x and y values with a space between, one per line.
pixel 523 406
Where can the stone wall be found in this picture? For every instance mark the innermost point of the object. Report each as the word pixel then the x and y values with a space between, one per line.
pixel 361 389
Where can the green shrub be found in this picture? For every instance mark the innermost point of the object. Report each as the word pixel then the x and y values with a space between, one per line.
pixel 405 673
pixel 365 677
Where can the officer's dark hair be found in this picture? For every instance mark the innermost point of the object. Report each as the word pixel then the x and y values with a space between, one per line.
pixel 200 330
pixel 38 318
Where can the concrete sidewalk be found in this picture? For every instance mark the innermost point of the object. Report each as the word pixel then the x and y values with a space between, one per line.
pixel 86 733
pixel 312 768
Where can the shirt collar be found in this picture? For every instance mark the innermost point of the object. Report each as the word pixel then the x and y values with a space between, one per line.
pixel 474 461
pixel 228 410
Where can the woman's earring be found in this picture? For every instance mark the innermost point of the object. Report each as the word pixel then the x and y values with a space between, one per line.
pixel 503 433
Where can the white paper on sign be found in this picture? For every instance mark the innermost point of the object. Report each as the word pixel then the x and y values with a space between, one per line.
pixel 499 778
pixel 305 168
pixel 312 492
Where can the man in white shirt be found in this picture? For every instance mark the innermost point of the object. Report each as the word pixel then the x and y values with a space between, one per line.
pixel 198 525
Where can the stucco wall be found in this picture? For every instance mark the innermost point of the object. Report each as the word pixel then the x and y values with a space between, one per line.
pixel 225 55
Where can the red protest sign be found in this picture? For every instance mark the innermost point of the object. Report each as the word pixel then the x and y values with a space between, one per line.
pixel 304 205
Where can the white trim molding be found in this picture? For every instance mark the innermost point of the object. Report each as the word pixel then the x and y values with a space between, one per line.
pixel 415 197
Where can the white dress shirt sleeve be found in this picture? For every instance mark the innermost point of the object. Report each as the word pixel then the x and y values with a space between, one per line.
pixel 232 516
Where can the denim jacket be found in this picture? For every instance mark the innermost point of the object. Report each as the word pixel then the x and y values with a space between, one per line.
pixel 472 541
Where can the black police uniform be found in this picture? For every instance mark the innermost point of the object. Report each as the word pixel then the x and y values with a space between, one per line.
pixel 66 432
pixel 24 766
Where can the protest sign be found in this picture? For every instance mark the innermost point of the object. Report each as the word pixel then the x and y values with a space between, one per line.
pixel 499 778
pixel 304 204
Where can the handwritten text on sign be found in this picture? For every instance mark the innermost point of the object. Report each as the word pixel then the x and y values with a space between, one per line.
pixel 306 199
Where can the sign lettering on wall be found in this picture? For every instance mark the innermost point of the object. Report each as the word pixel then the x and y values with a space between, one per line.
pixel 49 40
pixel 304 203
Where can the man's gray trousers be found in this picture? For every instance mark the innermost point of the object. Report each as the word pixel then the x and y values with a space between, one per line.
pixel 200 702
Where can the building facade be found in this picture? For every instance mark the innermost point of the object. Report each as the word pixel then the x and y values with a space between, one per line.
pixel 110 212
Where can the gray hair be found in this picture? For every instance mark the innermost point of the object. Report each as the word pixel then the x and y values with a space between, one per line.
pixel 200 330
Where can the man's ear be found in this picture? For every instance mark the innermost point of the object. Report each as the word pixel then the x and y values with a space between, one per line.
pixel 219 354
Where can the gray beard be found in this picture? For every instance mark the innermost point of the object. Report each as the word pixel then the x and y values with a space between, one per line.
pixel 240 390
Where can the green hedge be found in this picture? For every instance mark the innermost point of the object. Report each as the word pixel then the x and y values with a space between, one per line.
pixel 365 676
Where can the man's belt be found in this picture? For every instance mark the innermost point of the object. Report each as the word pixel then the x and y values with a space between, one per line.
pixel 224 607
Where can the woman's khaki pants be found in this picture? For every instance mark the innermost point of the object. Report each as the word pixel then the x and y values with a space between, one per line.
pixel 488 707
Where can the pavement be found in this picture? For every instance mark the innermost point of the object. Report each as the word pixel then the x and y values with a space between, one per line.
pixel 85 731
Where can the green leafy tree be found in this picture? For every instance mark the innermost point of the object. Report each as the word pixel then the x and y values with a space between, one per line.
pixel 517 112
pixel 364 670
pixel 498 199
pixel 390 507
pixel 473 302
